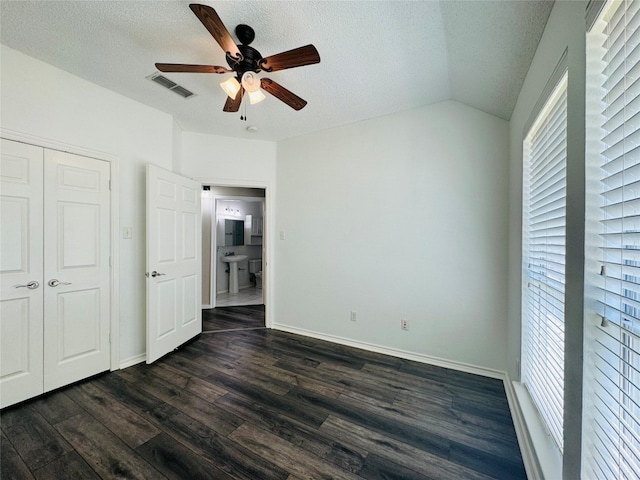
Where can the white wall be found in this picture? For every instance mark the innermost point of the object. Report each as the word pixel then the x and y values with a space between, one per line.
pixel 403 216
pixel 177 148
pixel 249 162
pixel 565 30
pixel 44 102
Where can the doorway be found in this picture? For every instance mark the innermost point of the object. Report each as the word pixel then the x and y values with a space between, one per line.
pixel 233 257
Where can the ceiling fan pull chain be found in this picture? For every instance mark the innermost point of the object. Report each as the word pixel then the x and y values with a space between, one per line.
pixel 243 116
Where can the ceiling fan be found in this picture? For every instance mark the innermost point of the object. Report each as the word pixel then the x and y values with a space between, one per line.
pixel 245 61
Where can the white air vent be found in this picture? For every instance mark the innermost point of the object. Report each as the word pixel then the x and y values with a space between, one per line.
pixel 174 87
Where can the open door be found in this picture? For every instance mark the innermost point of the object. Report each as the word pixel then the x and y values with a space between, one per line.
pixel 174 291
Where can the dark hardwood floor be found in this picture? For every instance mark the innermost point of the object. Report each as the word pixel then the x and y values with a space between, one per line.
pixel 230 318
pixel 261 404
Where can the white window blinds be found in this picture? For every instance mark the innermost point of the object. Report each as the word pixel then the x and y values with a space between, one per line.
pixel 612 426
pixel 544 202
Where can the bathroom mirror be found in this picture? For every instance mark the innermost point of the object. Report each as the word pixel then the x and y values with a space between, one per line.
pixel 233 233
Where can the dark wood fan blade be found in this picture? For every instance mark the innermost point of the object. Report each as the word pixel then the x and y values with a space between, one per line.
pixel 181 67
pixel 233 104
pixel 282 93
pixel 212 22
pixel 297 57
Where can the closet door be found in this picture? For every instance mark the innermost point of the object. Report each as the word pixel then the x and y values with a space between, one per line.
pixel 76 268
pixel 21 308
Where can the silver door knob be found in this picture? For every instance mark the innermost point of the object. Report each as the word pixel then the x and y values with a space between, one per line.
pixel 154 274
pixel 55 282
pixel 31 285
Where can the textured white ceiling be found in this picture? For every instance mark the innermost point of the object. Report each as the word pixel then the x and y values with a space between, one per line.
pixel 377 57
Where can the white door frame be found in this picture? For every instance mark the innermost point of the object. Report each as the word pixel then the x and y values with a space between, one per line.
pixel 114 313
pixel 269 202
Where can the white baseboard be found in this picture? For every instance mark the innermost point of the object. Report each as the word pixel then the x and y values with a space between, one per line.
pixel 394 352
pixel 130 362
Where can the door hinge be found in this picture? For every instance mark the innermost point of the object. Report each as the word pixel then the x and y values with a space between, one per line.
pixel 109 184
pixel 110 261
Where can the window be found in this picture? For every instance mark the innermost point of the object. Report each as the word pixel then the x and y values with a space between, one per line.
pixel 612 400
pixel 544 211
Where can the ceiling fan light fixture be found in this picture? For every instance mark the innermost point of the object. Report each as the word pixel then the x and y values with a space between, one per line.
pixel 231 87
pixel 256 97
pixel 250 82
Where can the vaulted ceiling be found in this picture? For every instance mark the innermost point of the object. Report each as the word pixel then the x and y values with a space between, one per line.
pixel 377 57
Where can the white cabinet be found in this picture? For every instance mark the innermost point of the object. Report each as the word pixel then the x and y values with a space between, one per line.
pixel 54 270
pixel 253 230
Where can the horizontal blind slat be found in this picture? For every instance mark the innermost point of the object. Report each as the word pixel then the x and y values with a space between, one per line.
pixel 613 395
pixel 544 239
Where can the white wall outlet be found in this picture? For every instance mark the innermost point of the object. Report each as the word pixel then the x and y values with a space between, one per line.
pixel 352 316
pixel 282 235
pixel 404 324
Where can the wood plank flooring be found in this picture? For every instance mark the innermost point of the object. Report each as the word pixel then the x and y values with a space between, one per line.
pixel 230 318
pixel 261 404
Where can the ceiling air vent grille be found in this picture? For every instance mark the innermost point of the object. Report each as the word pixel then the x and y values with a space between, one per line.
pixel 174 87
pixel 182 91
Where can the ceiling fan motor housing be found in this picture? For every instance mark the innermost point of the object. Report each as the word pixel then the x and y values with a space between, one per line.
pixel 245 34
pixel 250 55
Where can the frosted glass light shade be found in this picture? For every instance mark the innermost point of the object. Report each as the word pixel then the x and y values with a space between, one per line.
pixel 256 97
pixel 231 87
pixel 250 81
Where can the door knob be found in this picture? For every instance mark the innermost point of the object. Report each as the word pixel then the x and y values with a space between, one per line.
pixel 31 285
pixel 54 283
pixel 154 274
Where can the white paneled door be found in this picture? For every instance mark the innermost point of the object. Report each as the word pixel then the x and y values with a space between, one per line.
pixel 76 268
pixel 21 272
pixel 55 272
pixel 174 267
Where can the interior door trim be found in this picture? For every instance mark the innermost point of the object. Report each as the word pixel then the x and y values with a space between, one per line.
pixel 114 307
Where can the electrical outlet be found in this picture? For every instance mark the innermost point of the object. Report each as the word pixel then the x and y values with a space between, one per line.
pixel 353 316
pixel 404 324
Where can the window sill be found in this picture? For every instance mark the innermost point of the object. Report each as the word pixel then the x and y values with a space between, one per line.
pixel 547 454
